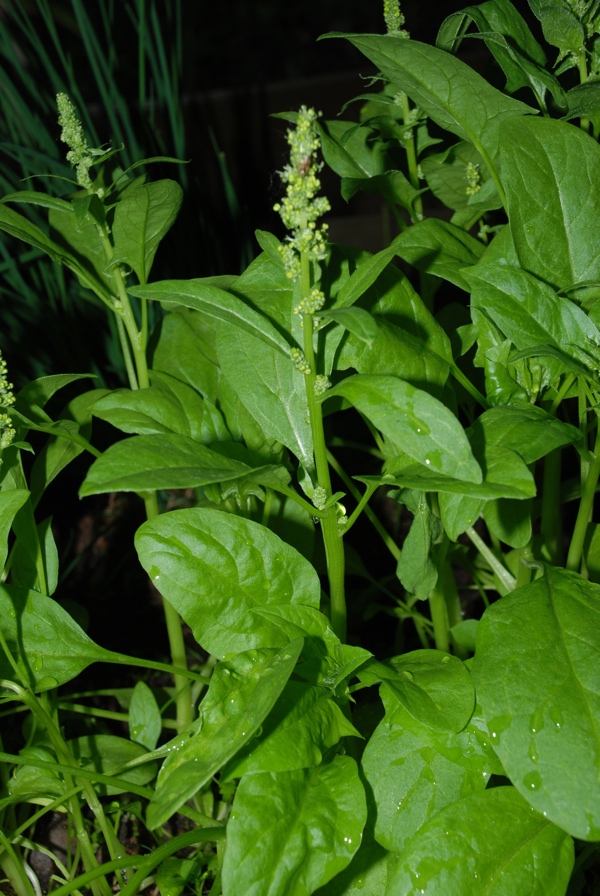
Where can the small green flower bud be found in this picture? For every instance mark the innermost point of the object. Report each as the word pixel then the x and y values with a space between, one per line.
pixel 7 399
pixel 319 497
pixel 312 303
pixel 322 384
pixel 473 179
pixel 394 20
pixel 299 361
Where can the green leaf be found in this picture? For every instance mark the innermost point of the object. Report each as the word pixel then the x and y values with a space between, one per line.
pixel 509 849
pixel 215 569
pixel 145 722
pixel 240 697
pixel 416 568
pixel 107 755
pixel 535 670
pixel 350 150
pixel 356 320
pixel 217 304
pixel 366 873
pixel 560 25
pixel 439 248
pixel 270 388
pixel 304 723
pixel 447 178
pixel 530 431
pixel 291 832
pixel 186 351
pixel 164 460
pixel 165 406
pixel 514 47
pixel 142 218
pixel 10 503
pixel 531 313
pixel 415 421
pixel 551 174
pixel 48 644
pixel 32 197
pixel 409 779
pixel 583 101
pixel 434 687
pixel 448 90
pixel 84 251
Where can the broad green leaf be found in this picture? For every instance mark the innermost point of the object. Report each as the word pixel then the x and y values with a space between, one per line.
pixel 240 697
pixel 44 200
pixel 409 779
pixel 107 754
pixel 35 556
pixel 217 304
pixel 83 242
pixel 583 101
pixel 356 320
pixel 163 460
pixel 291 832
pixel 366 873
pixel 551 175
pixel 10 503
pixel 531 313
pixel 270 388
pixel 142 218
pixel 448 90
pixel 510 521
pixel 186 350
pixel 458 512
pixel 485 844
pixel 303 725
pixel 48 644
pixel 215 569
pixel 35 394
pixel 145 722
pixel 393 186
pixel 439 248
pixel 413 420
pixel 434 687
pixel 350 150
pixel 535 670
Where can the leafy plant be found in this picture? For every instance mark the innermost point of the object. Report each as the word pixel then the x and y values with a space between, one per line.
pixel 458 389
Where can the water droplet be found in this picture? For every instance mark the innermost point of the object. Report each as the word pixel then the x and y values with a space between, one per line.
pixel 556 716
pixel 266 585
pixel 533 753
pixel 12 614
pixel 408 675
pixel 532 781
pixel 427 461
pixel 445 659
pixel 536 722
pixel 46 683
pixel 38 663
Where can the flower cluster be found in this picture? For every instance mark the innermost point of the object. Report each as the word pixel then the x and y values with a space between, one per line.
pixel 7 398
pixel 394 20
pixel 301 206
pixel 319 497
pixel 311 303
pixel 80 155
pixel 473 177
pixel 299 361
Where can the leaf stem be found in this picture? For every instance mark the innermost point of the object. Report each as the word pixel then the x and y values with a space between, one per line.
pixel 588 493
pixel 507 580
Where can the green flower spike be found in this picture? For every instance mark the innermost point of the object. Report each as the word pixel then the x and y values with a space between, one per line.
pixel 80 155
pixel 7 398
pixel 301 206
pixel 394 20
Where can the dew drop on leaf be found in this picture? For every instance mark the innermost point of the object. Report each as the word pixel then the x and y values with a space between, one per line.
pixel 556 716
pixel 532 781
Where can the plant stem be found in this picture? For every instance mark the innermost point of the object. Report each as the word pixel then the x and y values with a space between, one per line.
pixel 506 578
pixel 551 523
pixel 332 536
pixel 183 700
pixel 588 493
pixel 411 156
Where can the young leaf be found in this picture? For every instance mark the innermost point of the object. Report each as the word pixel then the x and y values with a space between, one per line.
pixel 509 849
pixel 537 652
pixel 107 754
pixel 560 25
pixel 216 568
pixel 145 722
pixel 142 218
pixel 241 695
pixel 434 687
pixel 551 175
pixel 417 423
pixel 356 320
pixel 185 350
pixel 416 568
pixel 291 832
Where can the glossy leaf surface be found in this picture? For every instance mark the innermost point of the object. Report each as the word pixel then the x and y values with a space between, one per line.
pixel 536 674
pixel 216 569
